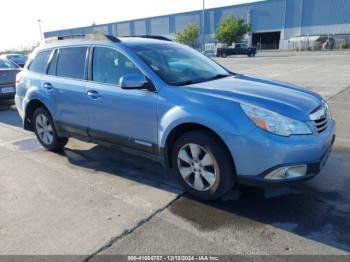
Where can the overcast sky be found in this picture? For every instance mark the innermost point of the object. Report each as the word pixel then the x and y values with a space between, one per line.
pixel 19 26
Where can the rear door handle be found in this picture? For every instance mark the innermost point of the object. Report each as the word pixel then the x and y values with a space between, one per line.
pixel 93 94
pixel 48 86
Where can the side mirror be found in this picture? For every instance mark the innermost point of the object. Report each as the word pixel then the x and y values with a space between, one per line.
pixel 134 81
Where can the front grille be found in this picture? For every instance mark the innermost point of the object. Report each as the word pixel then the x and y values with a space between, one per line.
pixel 321 118
pixel 321 124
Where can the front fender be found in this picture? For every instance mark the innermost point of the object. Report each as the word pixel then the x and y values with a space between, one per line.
pixel 218 122
pixel 180 106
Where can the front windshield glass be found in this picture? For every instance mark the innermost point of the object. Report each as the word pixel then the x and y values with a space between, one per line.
pixel 178 64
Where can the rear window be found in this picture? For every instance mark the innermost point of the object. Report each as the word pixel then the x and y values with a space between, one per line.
pixel 71 62
pixel 7 64
pixel 38 65
pixel 15 56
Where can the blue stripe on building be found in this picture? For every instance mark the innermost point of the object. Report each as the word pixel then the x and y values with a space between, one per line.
pixel 272 20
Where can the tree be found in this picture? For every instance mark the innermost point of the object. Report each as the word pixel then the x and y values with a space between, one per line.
pixel 188 35
pixel 23 49
pixel 231 30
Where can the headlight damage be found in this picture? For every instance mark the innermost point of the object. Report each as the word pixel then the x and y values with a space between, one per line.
pixel 274 122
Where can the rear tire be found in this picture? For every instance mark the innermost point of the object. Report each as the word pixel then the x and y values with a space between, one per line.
pixel 202 165
pixel 223 55
pixel 46 132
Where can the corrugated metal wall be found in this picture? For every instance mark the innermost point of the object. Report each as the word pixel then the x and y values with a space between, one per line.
pixel 140 27
pixel 291 17
pixel 182 20
pixel 160 25
pixel 325 12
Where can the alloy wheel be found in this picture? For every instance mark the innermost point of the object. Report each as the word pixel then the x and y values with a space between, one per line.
pixel 44 129
pixel 197 166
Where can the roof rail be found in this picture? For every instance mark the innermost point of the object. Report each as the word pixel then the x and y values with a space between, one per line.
pixel 96 36
pixel 158 37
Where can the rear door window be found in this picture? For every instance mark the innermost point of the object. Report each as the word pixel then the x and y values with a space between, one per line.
pixel 38 65
pixel 71 62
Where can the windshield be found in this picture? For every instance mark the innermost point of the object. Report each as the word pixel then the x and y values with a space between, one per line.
pixel 178 64
pixel 6 64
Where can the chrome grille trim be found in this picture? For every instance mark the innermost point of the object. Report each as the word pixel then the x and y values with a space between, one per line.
pixel 322 122
pixel 321 117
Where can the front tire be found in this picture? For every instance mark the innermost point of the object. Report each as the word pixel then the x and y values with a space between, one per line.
pixel 45 131
pixel 202 165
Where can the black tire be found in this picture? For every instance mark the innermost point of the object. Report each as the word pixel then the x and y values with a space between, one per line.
pixel 225 175
pixel 223 55
pixel 57 142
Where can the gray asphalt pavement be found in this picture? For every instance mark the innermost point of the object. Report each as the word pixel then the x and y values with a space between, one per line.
pixel 90 200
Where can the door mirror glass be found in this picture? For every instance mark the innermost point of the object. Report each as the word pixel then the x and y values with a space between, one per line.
pixel 133 81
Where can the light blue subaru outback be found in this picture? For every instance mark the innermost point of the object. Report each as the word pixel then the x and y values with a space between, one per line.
pixel 213 127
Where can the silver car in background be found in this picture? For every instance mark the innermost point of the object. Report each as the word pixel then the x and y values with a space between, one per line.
pixel 8 73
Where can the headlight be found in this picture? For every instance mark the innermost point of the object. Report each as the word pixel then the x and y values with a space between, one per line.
pixel 275 123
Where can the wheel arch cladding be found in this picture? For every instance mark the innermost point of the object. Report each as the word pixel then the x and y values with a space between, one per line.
pixel 29 112
pixel 183 128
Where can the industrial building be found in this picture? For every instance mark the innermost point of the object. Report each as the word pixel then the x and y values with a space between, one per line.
pixel 276 24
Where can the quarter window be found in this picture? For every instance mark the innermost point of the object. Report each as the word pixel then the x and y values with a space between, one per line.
pixel 71 62
pixel 53 65
pixel 109 66
pixel 38 65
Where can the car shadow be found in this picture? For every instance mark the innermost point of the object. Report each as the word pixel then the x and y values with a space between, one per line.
pixel 318 209
pixel 123 164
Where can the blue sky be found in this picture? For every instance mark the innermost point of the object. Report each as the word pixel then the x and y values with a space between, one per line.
pixel 22 28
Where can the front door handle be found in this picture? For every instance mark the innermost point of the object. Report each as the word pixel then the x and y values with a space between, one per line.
pixel 93 94
pixel 48 86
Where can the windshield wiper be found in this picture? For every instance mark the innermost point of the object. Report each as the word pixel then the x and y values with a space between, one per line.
pixel 190 82
pixel 218 76
pixel 187 82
